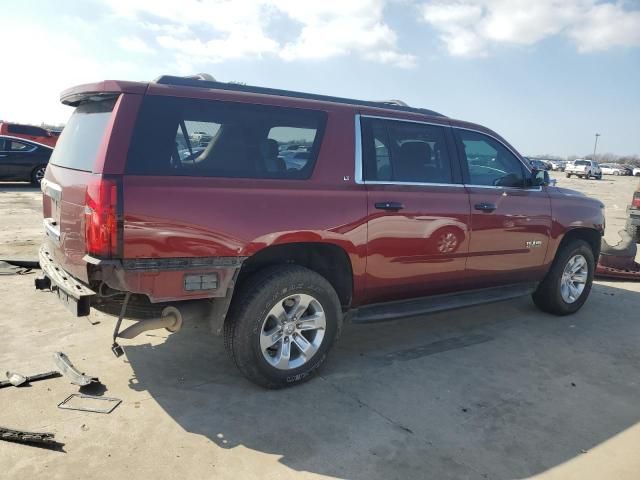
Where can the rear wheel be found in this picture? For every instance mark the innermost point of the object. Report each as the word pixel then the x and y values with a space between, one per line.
pixel 281 326
pixel 568 283
pixel 568 175
pixel 38 174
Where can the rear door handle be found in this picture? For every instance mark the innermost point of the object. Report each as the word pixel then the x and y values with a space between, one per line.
pixel 485 207
pixel 392 206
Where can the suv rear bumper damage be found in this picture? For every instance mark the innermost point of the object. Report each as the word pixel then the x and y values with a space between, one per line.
pixel 75 295
pixel 161 280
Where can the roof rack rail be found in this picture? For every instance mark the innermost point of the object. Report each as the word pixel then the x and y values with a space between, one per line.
pixel 197 81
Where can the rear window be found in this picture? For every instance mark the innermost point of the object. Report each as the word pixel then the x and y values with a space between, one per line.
pixel 82 136
pixel 201 138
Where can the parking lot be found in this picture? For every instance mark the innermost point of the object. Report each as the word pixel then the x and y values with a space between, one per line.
pixel 492 392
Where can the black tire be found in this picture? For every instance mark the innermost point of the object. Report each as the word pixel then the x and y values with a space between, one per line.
pixel 249 309
pixel 38 174
pixel 548 297
pixel 568 175
pixel 598 177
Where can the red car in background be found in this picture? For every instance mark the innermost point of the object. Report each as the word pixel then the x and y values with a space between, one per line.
pixel 29 132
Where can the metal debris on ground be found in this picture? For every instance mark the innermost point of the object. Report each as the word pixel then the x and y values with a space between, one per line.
pixel 69 404
pixel 26 437
pixel 67 369
pixel 618 261
pixel 28 378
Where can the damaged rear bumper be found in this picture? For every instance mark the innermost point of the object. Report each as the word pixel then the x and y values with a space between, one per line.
pixel 75 295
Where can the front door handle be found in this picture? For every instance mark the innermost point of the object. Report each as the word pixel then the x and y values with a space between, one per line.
pixel 485 207
pixel 392 206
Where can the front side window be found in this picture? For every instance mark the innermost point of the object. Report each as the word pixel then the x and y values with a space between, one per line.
pixel 201 138
pixel 489 162
pixel 406 152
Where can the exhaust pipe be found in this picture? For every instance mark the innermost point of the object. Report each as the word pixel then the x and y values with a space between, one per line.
pixel 171 319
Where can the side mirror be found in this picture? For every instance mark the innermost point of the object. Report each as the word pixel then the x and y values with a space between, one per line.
pixel 540 178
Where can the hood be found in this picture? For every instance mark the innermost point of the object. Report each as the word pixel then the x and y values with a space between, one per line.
pixel 566 192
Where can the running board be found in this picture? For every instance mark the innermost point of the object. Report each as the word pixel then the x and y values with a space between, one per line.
pixel 381 312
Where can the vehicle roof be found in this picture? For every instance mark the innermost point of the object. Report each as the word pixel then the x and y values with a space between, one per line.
pixel 203 89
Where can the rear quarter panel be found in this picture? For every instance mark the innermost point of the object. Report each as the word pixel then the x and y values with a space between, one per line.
pixel 168 217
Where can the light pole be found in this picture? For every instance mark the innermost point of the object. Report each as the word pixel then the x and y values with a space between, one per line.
pixel 595 146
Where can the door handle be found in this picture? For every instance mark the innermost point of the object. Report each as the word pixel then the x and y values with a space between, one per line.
pixel 485 207
pixel 392 206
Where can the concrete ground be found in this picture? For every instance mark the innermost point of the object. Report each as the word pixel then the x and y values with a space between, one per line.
pixel 493 392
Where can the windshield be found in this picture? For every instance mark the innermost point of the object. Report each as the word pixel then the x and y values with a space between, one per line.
pixel 82 136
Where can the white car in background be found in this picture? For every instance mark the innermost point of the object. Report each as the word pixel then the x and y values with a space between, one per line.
pixel 636 172
pixel 609 169
pixel 582 168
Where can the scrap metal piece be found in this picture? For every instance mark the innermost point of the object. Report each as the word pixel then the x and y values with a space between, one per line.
pixel 618 261
pixel 16 379
pixel 111 404
pixel 31 378
pixel 25 437
pixel 67 369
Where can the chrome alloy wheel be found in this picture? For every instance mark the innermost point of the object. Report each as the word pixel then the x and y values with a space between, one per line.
pixel 447 243
pixel 574 278
pixel 292 331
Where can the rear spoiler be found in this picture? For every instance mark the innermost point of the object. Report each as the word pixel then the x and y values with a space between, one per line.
pixel 100 91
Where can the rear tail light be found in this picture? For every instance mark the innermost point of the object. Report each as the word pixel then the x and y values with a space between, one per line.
pixel 636 200
pixel 101 218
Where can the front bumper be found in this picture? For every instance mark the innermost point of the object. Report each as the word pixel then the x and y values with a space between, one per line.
pixel 75 295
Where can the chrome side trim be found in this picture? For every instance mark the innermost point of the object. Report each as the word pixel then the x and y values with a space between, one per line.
pixel 417 184
pixel 406 120
pixel 494 187
pixel 358 151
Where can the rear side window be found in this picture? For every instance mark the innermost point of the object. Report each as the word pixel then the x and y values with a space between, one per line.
pixel 202 138
pixel 396 151
pixel 82 136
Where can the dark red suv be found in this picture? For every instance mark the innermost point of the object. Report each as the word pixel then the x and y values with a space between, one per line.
pixel 284 214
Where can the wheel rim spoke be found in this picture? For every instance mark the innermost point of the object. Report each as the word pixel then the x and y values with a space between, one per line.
pixel 312 322
pixel 283 355
pixel 269 339
pixel 305 347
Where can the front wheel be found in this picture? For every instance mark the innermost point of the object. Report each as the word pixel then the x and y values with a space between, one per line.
pixel 568 283
pixel 281 325
pixel 568 175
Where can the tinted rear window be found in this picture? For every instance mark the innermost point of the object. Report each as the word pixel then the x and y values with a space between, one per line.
pixel 188 137
pixel 82 136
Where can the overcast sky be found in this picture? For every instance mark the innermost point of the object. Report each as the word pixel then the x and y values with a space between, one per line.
pixel 546 74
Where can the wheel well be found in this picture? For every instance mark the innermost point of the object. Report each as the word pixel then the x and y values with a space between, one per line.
pixel 589 235
pixel 328 260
